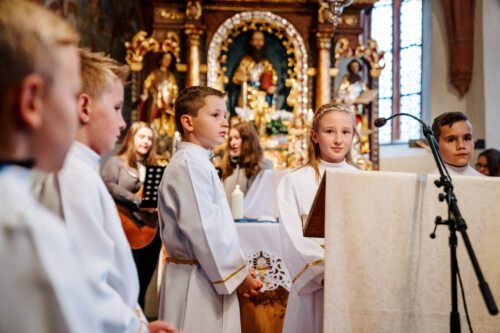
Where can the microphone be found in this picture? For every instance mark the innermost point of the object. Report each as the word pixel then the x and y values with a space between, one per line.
pixel 379 122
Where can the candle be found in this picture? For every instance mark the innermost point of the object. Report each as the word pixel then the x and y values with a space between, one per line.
pixel 244 92
pixel 237 203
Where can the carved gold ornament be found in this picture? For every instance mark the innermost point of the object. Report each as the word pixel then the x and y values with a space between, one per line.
pixel 141 45
pixel 171 44
pixel 136 50
pixel 193 10
pixel 368 52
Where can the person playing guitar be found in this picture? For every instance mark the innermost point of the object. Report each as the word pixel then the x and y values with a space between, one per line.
pixel 124 176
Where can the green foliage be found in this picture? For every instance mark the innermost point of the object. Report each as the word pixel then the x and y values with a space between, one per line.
pixel 276 126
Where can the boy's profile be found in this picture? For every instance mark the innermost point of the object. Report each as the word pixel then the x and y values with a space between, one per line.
pixel 89 211
pixel 453 132
pixel 42 288
pixel 205 265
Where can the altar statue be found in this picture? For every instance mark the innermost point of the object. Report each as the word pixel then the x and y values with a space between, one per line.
pixel 257 78
pixel 158 96
pixel 354 92
pixel 351 84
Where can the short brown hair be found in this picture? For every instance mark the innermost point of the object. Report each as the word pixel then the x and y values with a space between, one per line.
pixel 446 119
pixel 29 35
pixel 190 100
pixel 97 69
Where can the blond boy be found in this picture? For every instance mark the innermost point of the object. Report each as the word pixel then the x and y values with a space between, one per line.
pixel 41 287
pixel 205 266
pixel 88 209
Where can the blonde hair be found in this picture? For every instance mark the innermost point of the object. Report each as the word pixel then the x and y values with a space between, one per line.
pixel 313 152
pixel 127 149
pixel 96 71
pixel 29 36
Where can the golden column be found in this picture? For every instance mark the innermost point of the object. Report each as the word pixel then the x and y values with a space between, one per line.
pixel 324 44
pixel 193 75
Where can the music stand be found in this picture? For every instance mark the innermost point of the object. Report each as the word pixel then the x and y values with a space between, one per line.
pixel 151 182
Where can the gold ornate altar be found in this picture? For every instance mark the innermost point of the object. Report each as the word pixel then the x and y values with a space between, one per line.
pixel 208 39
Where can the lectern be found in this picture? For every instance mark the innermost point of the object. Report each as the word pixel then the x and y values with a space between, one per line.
pixel 314 223
pixel 383 273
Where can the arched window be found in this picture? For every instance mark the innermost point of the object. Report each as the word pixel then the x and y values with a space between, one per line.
pixel 397 27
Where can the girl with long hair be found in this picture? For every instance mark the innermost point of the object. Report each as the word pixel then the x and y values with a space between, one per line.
pixel 329 146
pixel 243 158
pixel 124 176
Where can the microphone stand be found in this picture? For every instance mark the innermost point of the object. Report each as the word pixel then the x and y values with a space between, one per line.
pixel 455 223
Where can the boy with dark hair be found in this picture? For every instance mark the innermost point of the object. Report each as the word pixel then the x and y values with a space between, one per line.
pixel 453 133
pixel 205 265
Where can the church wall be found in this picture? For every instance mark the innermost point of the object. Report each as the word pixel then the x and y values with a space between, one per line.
pixel 491 67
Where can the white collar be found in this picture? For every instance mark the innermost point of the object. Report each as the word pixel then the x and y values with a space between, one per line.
pixel 21 175
pixel 85 153
pixel 194 148
pixel 325 164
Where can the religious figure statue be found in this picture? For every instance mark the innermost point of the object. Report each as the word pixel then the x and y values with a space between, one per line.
pixel 351 84
pixel 354 92
pixel 258 78
pixel 158 96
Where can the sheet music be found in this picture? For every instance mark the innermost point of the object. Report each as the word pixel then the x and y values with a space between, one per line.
pixel 151 183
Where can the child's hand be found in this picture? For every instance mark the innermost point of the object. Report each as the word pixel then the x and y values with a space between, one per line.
pixel 250 286
pixel 251 270
pixel 259 284
pixel 159 326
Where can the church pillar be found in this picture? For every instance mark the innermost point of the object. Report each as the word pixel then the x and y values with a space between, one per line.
pixel 324 44
pixel 193 75
pixel 459 16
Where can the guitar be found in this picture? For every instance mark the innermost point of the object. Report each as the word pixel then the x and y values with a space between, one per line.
pixel 140 226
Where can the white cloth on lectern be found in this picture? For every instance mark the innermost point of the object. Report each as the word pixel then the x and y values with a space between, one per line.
pixel 196 224
pixel 304 257
pixel 94 226
pixel 42 289
pixel 386 273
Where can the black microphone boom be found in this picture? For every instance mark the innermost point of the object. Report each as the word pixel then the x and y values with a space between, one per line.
pixel 379 122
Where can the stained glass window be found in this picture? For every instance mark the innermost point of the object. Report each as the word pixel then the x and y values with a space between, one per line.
pixel 397 27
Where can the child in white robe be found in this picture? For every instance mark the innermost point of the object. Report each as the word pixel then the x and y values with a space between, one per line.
pixel 329 146
pixel 89 211
pixel 453 133
pixel 205 265
pixel 42 289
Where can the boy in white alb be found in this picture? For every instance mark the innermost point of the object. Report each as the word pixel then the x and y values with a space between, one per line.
pixel 89 211
pixel 42 288
pixel 453 133
pixel 205 265
pixel 329 146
